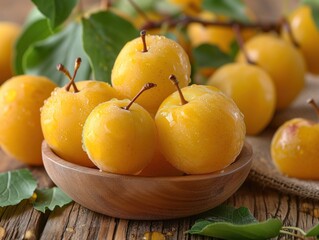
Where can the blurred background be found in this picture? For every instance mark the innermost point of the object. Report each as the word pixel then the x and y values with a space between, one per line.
pixel 14 10
pixel 265 10
pixel 17 10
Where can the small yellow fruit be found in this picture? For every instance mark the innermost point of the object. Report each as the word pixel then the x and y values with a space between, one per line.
pixel 8 34
pixel 63 116
pixel 306 34
pixel 244 82
pixel 118 140
pixel 135 66
pixel 204 135
pixel 281 61
pixel 294 149
pixel 21 98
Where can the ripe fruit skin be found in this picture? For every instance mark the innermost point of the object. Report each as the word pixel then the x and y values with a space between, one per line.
pixel 8 35
pixel 244 82
pixel 282 62
pixel 307 35
pixel 202 136
pixel 118 140
pixel 294 149
pixel 21 98
pixel 133 68
pixel 63 116
pixel 159 167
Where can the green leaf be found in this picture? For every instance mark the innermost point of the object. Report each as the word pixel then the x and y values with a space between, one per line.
pixel 227 222
pixel 207 55
pixel 33 16
pixel 104 35
pixel 315 15
pixel 63 47
pixel 234 9
pixel 50 198
pixel 313 232
pixel 234 49
pixel 314 5
pixel 226 213
pixel 16 186
pixel 224 230
pixel 57 11
pixel 34 32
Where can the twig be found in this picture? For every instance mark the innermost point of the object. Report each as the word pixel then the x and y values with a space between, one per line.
pixel 139 11
pixel 240 41
pixel 185 20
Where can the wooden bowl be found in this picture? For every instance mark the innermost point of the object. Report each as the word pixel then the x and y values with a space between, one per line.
pixel 146 198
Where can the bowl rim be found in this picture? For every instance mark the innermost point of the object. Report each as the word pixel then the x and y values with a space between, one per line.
pixel 242 160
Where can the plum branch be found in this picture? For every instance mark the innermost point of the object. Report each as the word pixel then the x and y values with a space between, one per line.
pixel 236 26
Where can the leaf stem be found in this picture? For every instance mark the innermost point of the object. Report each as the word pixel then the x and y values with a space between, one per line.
pixel 291 234
pixel 294 228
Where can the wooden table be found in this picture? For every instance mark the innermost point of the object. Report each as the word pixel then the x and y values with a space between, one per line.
pixel 76 222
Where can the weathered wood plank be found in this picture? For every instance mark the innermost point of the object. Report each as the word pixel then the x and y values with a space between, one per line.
pixel 22 221
pixel 8 163
pixel 77 222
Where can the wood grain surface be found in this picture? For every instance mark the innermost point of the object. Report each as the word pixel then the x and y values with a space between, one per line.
pixel 77 222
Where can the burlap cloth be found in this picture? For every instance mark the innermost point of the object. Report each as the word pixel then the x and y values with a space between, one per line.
pixel 263 170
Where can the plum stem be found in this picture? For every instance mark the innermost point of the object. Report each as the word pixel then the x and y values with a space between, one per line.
pixel 62 69
pixel 312 102
pixel 144 88
pixel 143 36
pixel 173 78
pixel 72 83
pixel 65 71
